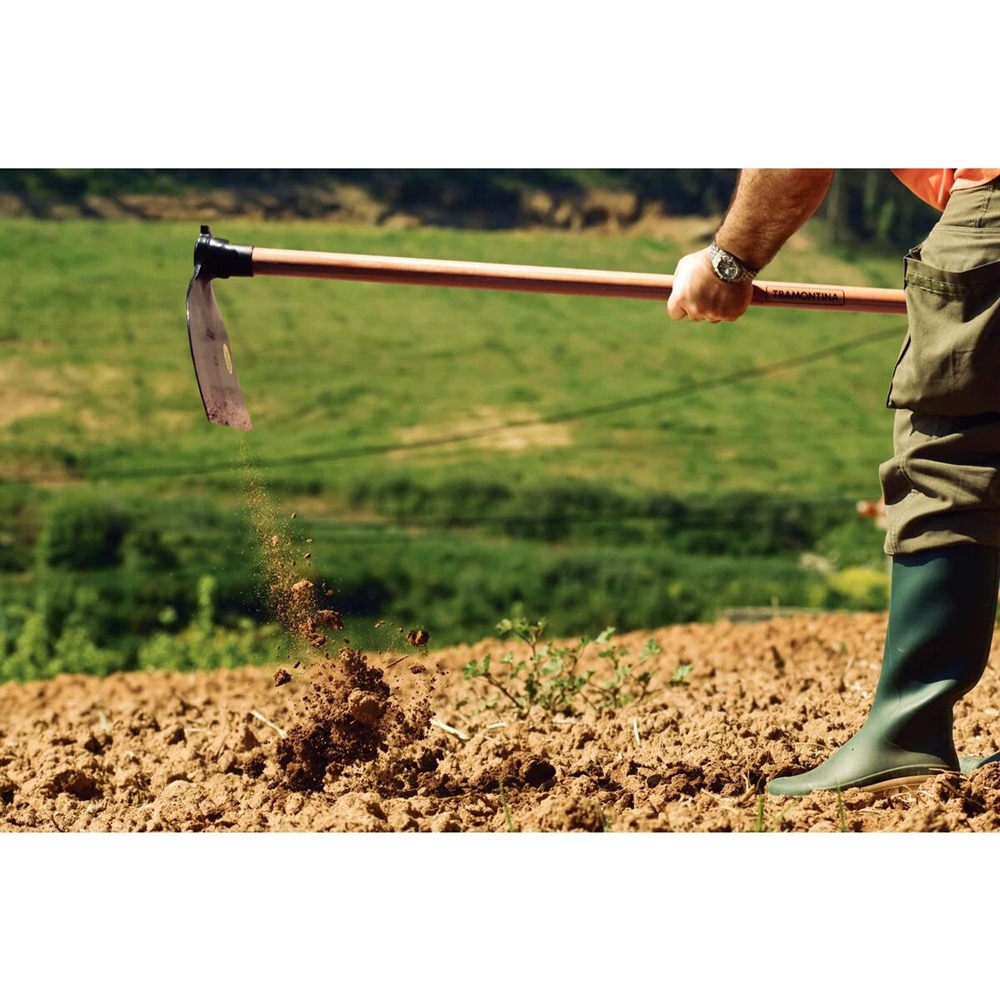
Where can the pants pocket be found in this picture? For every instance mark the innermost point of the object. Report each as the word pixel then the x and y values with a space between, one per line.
pixel 950 360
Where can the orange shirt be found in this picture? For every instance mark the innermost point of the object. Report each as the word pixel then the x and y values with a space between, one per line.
pixel 936 185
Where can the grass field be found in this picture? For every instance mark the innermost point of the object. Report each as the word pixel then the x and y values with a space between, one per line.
pixel 354 387
pixel 95 354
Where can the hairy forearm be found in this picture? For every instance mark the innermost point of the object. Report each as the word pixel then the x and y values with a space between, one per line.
pixel 768 206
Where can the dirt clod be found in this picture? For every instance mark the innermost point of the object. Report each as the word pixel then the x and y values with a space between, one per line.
pixel 330 619
pixel 255 764
pixel 281 676
pixel 417 637
pixel 365 707
pixel 97 742
pixel 71 781
pixel 347 716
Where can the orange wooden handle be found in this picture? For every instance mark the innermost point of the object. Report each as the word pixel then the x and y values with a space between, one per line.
pixel 555 280
pixel 849 298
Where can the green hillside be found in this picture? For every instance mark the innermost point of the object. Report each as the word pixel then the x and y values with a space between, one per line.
pixel 417 430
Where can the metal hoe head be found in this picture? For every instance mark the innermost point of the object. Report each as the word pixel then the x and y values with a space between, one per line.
pixel 210 351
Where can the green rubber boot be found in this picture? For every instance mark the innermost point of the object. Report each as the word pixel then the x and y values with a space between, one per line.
pixel 941 613
pixel 970 764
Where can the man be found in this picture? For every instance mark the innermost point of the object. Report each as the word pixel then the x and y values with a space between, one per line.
pixel 942 485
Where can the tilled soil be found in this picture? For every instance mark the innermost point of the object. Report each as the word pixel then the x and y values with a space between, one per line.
pixel 404 742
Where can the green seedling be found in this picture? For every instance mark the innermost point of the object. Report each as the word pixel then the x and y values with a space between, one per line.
pixel 840 812
pixel 621 687
pixel 481 668
pixel 763 826
pixel 679 677
pixel 550 676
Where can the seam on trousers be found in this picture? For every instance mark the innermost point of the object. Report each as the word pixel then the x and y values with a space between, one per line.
pixel 937 285
pixel 984 205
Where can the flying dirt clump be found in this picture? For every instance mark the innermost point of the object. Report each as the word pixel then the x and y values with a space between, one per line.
pixel 291 597
pixel 296 608
pixel 331 619
pixel 349 715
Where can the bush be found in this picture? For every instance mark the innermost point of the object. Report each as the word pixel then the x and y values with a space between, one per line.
pixel 34 645
pixel 854 542
pixel 20 517
pixel 143 551
pixel 83 533
pixel 204 645
pixel 859 588
pixel 733 524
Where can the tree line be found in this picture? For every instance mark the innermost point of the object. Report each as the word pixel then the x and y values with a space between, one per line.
pixel 864 206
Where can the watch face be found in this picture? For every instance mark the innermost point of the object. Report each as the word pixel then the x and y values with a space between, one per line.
pixel 728 269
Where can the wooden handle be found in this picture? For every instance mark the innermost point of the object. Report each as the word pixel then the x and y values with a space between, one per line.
pixel 846 297
pixel 554 280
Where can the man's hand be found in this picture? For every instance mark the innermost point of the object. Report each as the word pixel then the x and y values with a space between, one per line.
pixel 767 207
pixel 699 294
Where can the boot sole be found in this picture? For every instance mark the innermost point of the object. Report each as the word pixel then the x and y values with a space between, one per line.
pixel 883 785
pixel 893 784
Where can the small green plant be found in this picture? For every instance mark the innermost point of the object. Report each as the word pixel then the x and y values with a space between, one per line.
pixel 551 676
pixel 679 676
pixel 624 686
pixel 763 825
pixel 840 811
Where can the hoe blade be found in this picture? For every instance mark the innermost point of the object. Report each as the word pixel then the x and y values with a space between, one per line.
pixel 213 358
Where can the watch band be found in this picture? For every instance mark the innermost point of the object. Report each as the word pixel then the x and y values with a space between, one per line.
pixel 728 267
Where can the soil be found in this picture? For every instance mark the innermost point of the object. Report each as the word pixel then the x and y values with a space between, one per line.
pixel 405 741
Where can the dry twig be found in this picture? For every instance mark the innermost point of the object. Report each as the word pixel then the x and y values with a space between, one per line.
pixel 450 730
pixel 268 722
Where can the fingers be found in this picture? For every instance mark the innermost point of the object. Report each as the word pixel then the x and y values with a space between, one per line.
pixel 674 308
pixel 677 311
pixel 679 305
pixel 700 296
pixel 678 308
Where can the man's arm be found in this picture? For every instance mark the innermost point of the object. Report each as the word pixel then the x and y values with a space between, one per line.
pixel 768 206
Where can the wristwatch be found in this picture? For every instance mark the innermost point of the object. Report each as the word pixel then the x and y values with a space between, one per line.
pixel 729 268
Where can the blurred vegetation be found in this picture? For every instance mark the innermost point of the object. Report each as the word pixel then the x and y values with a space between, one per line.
pixel 631 484
pixel 192 591
pixel 865 206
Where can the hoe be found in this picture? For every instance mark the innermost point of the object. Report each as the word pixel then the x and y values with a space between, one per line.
pixel 218 258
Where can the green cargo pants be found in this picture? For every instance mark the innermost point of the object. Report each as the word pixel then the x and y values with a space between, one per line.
pixel 942 485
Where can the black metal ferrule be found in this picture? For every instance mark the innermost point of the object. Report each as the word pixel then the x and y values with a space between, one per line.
pixel 215 257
